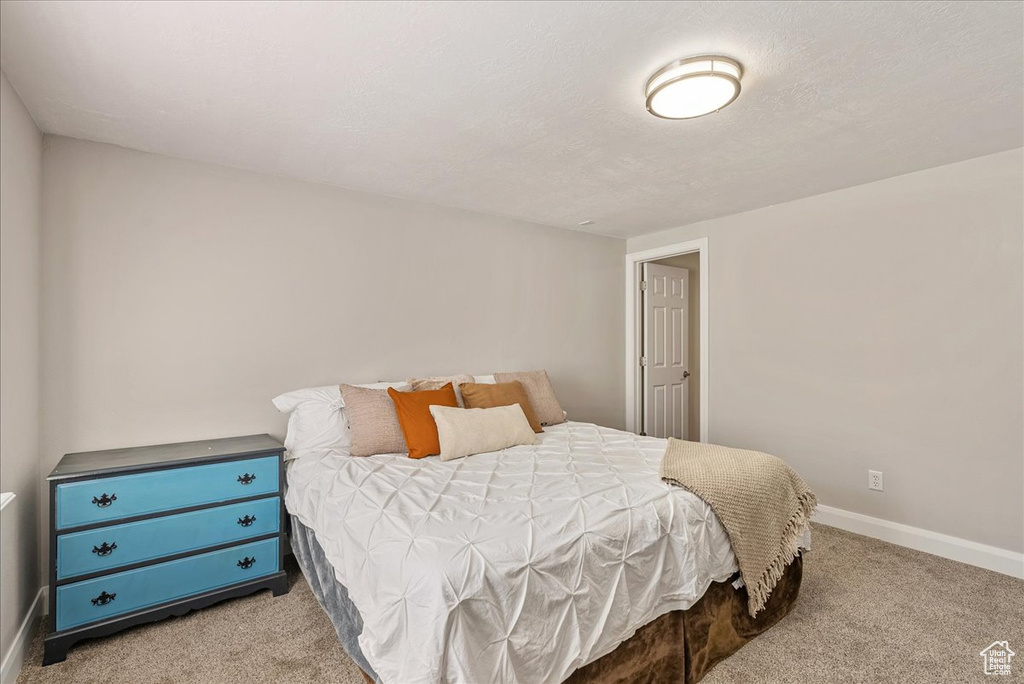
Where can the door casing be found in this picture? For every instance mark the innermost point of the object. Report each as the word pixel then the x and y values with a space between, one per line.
pixel 634 346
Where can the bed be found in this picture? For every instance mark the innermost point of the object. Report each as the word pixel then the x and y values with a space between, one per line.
pixel 568 560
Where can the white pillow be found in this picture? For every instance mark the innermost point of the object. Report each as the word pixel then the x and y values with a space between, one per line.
pixel 464 432
pixel 484 379
pixel 317 422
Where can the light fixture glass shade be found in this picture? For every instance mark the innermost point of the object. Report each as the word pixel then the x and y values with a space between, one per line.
pixel 693 87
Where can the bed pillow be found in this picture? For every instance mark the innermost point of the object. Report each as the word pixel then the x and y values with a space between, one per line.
pixel 540 393
pixel 399 385
pixel 413 409
pixel 372 421
pixel 316 422
pixel 464 432
pixel 500 394
pixel 439 381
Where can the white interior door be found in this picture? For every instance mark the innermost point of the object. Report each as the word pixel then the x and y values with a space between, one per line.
pixel 664 364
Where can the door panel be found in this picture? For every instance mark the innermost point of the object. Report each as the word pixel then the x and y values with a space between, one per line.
pixel 677 338
pixel 658 410
pixel 657 358
pixel 665 350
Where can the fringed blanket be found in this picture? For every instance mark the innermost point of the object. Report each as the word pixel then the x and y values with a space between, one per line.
pixel 762 503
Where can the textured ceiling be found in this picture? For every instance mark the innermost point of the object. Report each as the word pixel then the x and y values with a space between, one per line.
pixel 531 110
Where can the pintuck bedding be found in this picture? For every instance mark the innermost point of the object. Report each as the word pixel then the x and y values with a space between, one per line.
pixel 515 566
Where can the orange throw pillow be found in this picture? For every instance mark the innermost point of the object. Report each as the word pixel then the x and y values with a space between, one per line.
pixel 418 426
pixel 491 395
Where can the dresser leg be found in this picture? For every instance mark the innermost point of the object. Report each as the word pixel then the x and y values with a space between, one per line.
pixel 55 649
pixel 279 585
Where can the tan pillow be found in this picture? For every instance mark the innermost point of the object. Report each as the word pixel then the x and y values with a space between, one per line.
pixel 540 393
pixel 372 421
pixel 464 432
pixel 438 381
pixel 500 394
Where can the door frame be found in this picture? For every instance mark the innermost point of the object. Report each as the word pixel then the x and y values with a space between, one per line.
pixel 634 273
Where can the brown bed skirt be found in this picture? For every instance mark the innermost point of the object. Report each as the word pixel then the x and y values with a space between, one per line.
pixel 682 646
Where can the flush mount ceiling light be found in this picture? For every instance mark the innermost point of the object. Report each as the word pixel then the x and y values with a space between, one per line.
pixel 692 87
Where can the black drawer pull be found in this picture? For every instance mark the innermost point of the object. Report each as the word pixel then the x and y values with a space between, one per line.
pixel 247 562
pixel 247 478
pixel 104 500
pixel 247 520
pixel 104 549
pixel 103 599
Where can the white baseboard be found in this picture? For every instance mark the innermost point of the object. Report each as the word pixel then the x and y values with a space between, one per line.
pixel 980 555
pixel 15 656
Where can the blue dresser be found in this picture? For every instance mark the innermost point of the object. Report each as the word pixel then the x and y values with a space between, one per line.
pixel 137 535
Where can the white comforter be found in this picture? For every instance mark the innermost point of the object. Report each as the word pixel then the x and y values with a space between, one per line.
pixel 516 566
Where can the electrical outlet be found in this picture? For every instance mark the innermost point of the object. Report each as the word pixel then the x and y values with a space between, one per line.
pixel 875 480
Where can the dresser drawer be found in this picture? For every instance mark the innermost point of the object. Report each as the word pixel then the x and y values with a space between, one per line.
pixel 124 592
pixel 107 548
pixel 115 498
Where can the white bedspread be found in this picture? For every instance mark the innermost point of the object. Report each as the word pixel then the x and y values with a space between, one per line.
pixel 517 566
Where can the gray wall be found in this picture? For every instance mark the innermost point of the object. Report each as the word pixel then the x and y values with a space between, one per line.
pixel 880 327
pixel 20 183
pixel 180 297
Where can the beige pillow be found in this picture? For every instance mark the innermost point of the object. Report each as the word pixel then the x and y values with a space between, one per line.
pixel 464 432
pixel 436 382
pixel 540 393
pixel 372 421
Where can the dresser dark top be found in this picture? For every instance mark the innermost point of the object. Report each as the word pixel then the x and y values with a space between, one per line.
pixel 141 458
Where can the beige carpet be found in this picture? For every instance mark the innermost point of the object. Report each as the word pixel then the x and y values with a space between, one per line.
pixel 868 612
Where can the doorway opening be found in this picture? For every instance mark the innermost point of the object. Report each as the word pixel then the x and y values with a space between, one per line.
pixel 667 341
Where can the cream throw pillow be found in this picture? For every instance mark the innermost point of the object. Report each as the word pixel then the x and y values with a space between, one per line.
pixel 540 393
pixel 464 432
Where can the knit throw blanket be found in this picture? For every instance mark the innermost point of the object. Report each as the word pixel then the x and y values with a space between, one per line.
pixel 762 503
